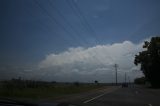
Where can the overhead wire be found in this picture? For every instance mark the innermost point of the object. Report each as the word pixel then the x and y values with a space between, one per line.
pixel 68 23
pixel 83 19
pixel 84 40
pixel 54 20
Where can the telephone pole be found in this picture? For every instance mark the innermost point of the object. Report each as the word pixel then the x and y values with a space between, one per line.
pixel 125 78
pixel 116 72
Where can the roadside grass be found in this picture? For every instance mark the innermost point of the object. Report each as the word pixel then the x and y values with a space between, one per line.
pixel 46 92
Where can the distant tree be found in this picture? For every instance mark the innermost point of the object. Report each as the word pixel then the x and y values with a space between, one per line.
pixel 140 80
pixel 96 82
pixel 76 84
pixel 53 82
pixel 150 61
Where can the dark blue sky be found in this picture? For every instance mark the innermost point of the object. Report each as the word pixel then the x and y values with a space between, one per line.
pixel 31 29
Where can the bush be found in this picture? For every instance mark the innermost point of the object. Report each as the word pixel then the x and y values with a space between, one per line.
pixel 140 81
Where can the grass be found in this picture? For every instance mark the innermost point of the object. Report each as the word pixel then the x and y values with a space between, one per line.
pixel 45 92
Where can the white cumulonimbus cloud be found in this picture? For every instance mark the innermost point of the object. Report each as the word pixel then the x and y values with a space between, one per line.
pixel 93 63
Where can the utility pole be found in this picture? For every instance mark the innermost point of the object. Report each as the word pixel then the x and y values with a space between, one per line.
pixel 125 78
pixel 116 72
pixel 129 80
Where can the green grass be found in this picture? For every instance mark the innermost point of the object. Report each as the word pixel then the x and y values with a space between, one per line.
pixel 45 92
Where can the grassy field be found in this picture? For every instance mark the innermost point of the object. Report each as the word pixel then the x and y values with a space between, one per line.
pixel 52 91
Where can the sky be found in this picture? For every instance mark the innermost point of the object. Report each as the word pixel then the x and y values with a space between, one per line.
pixel 74 40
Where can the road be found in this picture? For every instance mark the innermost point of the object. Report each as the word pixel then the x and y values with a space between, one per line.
pixel 117 96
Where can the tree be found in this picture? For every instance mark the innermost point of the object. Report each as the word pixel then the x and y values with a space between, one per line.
pixel 76 84
pixel 96 82
pixel 149 59
pixel 140 80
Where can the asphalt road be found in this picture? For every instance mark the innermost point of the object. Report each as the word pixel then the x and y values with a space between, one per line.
pixel 117 96
pixel 106 96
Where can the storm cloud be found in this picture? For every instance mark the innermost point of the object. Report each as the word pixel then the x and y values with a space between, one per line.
pixel 93 63
pixel 82 64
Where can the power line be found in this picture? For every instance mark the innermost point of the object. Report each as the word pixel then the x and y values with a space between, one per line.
pixel 84 19
pixel 75 12
pixel 81 16
pixel 125 79
pixel 67 22
pixel 53 19
pixel 60 14
pixel 42 24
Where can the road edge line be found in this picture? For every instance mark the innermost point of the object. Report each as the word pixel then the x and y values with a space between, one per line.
pixel 89 100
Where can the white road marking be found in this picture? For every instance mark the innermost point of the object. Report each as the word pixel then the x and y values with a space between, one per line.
pixel 149 104
pixel 98 96
pixel 94 98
